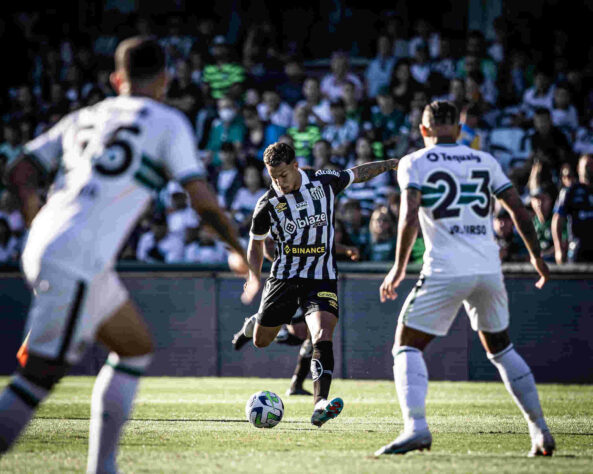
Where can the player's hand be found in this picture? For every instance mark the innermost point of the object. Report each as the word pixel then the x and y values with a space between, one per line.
pixel 238 263
pixel 390 283
pixel 560 257
pixel 353 253
pixel 542 269
pixel 250 289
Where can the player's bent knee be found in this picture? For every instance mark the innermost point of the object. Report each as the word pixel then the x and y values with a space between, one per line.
pixel 260 341
pixel 43 372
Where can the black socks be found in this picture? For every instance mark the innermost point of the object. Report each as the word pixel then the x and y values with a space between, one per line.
pixel 322 367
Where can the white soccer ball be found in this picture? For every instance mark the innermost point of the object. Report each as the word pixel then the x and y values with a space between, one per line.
pixel 264 409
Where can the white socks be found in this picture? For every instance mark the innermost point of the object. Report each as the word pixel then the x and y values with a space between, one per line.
pixel 411 385
pixel 519 381
pixel 18 403
pixel 113 396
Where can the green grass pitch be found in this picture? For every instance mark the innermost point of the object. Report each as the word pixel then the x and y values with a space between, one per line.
pixel 198 425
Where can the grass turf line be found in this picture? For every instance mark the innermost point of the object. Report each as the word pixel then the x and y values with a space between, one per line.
pixel 198 425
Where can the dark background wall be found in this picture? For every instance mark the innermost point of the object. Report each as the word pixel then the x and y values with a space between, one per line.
pixel 193 316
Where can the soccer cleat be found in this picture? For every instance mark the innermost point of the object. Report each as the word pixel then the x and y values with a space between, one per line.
pixel 297 391
pixel 239 340
pixel 542 445
pixel 245 334
pixel 328 411
pixel 405 442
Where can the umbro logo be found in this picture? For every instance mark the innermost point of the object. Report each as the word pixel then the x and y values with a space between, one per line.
pixel 281 207
pixel 317 193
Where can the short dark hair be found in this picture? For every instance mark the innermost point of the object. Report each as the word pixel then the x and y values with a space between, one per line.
pixel 278 153
pixel 440 112
pixel 140 57
pixel 542 111
pixel 227 147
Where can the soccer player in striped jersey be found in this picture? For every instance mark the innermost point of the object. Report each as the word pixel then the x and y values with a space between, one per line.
pixel 447 191
pixel 109 159
pixel 298 211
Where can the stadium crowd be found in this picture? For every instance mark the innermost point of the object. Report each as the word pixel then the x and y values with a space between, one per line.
pixel 529 107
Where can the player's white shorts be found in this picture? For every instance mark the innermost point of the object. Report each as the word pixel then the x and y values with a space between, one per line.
pixel 432 305
pixel 66 311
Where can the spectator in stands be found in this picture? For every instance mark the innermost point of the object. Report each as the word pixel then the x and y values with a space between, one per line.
pixel 550 140
pixel 356 233
pixel 272 109
pixel 224 74
pixel 258 134
pixel 196 66
pixel 542 202
pixel 383 230
pixel 318 108
pixel 564 114
pixel 229 127
pixel 176 44
pixel 303 134
pixel 157 245
pixel 444 64
pixel 540 95
pixel 583 142
pixel 510 244
pixel 204 247
pixel 180 215
pixel 322 155
pixel 424 36
pixel 472 132
pixel 567 175
pixel 10 210
pixel 475 58
pixel 378 72
pixel 386 120
pixel 403 85
pixel 227 179
pixel 8 243
pixel 291 89
pixel 11 146
pixel 394 29
pixel 331 84
pixel 183 93
pixel 478 90
pixel 355 109
pixel 369 193
pixel 421 67
pixel 575 206
pixel 456 93
pixel 498 45
pixel 342 132
pixel 246 198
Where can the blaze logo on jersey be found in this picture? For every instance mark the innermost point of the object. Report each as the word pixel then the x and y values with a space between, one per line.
pixel 316 220
pixel 280 207
pixel 289 226
pixel 317 193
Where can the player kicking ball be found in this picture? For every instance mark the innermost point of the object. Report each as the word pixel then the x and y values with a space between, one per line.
pixel 447 190
pixel 298 211
pixel 111 157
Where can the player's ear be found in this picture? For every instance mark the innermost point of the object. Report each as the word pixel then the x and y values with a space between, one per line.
pixel 424 131
pixel 115 78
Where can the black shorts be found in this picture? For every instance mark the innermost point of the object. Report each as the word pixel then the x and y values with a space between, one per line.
pixel 281 299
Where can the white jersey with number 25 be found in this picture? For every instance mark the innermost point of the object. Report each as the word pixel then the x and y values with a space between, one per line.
pixel 457 184
pixel 109 159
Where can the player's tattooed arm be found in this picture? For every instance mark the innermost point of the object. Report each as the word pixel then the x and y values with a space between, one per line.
pixel 370 170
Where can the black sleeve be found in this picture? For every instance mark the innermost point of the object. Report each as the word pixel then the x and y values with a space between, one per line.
pixel 338 180
pixel 260 223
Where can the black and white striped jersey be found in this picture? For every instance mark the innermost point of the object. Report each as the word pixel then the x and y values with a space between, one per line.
pixel 302 225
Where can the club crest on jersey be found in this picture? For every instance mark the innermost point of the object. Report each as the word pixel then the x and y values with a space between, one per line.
pixel 301 205
pixel 317 193
pixel 281 207
pixel 289 226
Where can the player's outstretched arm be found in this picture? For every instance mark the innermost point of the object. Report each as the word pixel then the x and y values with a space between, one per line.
pixel 206 205
pixel 23 179
pixel 370 170
pixel 407 231
pixel 512 203
pixel 255 257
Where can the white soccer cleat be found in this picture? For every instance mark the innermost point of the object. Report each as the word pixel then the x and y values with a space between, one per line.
pixel 249 326
pixel 325 411
pixel 411 441
pixel 543 444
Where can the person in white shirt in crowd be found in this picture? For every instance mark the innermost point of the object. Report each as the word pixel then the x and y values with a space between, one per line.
pixel 319 113
pixel 204 248
pixel 445 63
pixel 424 36
pixel 247 197
pixel 541 94
pixel 394 29
pixel 158 245
pixel 421 66
pixel 331 84
pixel 228 178
pixel 564 113
pixel 342 132
pixel 9 247
pixel 180 215
pixel 378 72
pixel 273 110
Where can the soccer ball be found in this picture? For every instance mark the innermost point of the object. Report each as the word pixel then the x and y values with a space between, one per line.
pixel 264 409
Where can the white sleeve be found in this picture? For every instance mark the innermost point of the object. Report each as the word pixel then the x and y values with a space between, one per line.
pixel 499 182
pixel 47 148
pixel 407 174
pixel 181 156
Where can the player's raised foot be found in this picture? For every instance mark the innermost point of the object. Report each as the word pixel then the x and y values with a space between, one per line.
pixel 542 445
pixel 239 340
pixel 245 334
pixel 410 441
pixel 325 411
pixel 297 391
